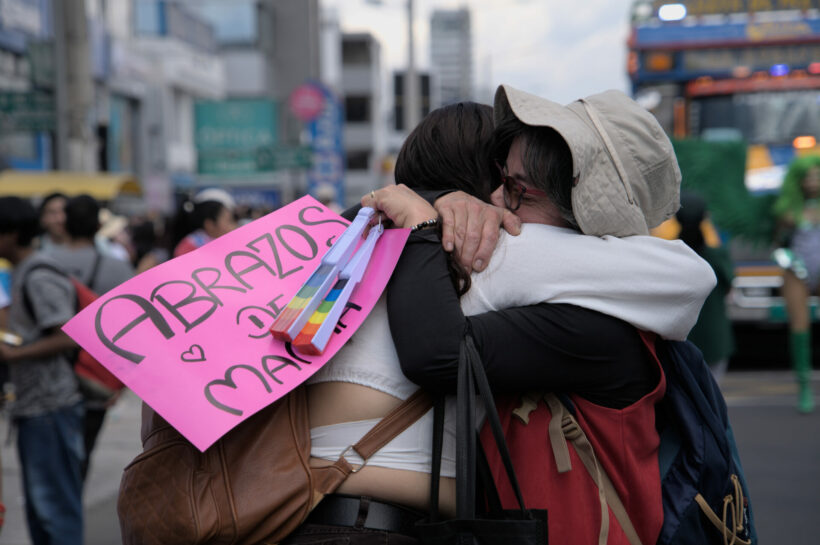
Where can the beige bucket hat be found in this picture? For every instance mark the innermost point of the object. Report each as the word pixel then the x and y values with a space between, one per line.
pixel 628 176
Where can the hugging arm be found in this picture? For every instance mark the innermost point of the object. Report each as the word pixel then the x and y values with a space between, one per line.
pixel 469 227
pixel 540 347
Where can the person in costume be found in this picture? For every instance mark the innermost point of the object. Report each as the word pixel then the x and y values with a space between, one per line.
pixel 797 210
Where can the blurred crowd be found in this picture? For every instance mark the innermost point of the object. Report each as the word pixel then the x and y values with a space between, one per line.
pixel 145 240
pixel 56 253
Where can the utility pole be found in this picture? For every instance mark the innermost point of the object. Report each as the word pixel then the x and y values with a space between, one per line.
pixel 74 88
pixel 411 84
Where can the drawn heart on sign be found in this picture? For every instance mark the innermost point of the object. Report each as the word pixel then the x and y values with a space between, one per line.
pixel 194 354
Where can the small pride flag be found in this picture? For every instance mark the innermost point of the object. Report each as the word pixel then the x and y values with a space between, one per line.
pixel 315 335
pixel 295 315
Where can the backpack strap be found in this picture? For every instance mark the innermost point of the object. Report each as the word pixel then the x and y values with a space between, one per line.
pixel 93 276
pixel 732 507
pixel 564 428
pixel 27 304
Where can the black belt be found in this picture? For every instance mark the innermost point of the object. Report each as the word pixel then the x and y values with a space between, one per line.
pixel 364 512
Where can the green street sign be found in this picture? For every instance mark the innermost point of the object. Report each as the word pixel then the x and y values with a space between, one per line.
pixel 283 157
pixel 228 134
pixel 27 111
pixel 40 57
pixel 243 161
pixel 226 162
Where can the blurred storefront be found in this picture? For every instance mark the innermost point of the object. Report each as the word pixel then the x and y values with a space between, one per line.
pixel 26 85
pixel 174 54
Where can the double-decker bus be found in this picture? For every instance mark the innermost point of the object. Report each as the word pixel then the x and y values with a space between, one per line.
pixel 746 70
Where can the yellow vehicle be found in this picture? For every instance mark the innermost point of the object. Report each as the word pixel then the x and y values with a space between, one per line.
pixel 104 187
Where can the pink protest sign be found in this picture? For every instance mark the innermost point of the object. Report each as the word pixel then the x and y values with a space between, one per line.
pixel 190 336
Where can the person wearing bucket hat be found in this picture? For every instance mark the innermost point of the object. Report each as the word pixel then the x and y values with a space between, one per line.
pixel 604 364
pixel 626 176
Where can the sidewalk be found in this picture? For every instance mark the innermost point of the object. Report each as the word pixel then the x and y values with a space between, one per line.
pixel 117 445
pixel 765 388
pixel 119 442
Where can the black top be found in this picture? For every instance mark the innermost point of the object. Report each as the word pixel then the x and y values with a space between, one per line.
pixel 555 347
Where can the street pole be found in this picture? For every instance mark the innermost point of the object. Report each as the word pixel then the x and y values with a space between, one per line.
pixel 60 91
pixel 411 84
pixel 74 88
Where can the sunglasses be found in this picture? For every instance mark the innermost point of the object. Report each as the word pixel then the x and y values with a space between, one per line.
pixel 514 191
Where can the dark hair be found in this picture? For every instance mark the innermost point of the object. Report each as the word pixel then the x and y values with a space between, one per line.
pixel 47 199
pixel 143 238
pixel 82 216
pixel 690 215
pixel 547 160
pixel 191 216
pixel 448 150
pixel 19 216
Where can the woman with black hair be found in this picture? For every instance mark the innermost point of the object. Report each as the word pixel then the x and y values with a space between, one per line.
pixel 52 221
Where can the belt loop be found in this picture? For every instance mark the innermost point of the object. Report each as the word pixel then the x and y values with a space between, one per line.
pixel 364 507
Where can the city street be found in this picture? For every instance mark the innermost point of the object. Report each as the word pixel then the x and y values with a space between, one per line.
pixel 780 450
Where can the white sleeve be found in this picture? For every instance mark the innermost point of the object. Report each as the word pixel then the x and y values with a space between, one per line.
pixel 654 284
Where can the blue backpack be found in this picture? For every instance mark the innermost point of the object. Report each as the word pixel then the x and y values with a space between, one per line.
pixel 705 496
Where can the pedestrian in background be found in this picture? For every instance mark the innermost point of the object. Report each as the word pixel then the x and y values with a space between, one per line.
pixel 147 250
pixel 712 332
pixel 797 210
pixel 209 215
pixel 48 409
pixel 101 272
pixel 52 221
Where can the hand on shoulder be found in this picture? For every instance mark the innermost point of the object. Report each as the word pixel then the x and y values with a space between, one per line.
pixel 400 204
pixel 470 228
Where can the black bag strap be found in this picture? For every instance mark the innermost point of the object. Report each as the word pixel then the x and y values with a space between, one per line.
pixel 470 359
pixel 465 437
pixel 466 441
pixel 435 469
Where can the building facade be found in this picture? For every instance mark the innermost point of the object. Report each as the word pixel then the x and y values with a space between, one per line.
pixel 451 54
pixel 26 69
pixel 364 129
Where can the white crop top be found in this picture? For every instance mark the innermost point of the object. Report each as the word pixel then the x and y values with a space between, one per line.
pixel 649 282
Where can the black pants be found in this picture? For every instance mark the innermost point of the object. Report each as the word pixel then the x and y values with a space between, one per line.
pixel 91 429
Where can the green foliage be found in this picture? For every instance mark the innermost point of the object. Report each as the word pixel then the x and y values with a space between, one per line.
pixel 716 170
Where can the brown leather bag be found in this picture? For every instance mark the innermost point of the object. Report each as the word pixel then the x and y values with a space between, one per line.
pixel 253 486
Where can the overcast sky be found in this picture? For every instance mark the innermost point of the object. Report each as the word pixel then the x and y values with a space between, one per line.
pixel 559 49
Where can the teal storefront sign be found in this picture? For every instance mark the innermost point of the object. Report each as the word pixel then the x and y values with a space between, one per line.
pixel 228 134
pixel 26 111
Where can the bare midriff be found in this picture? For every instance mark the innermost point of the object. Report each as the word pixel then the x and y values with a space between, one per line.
pixel 337 402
